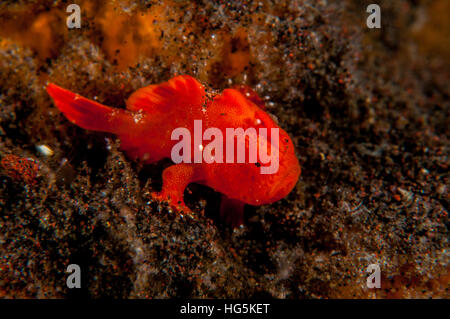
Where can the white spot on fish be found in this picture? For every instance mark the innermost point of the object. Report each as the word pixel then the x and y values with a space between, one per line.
pixel 137 117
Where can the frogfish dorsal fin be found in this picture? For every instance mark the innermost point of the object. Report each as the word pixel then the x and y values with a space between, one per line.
pixel 181 90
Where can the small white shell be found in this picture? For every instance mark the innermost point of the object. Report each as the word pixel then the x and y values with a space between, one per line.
pixel 44 150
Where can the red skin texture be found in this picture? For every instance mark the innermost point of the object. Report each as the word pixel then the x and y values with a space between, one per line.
pixel 153 112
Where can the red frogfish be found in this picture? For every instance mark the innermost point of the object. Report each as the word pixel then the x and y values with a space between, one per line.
pixel 197 129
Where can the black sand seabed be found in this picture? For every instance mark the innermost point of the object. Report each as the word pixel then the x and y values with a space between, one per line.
pixel 368 112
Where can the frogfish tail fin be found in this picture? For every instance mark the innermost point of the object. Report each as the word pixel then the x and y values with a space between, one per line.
pixel 86 113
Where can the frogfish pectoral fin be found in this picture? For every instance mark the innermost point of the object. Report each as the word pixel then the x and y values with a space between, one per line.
pixel 175 179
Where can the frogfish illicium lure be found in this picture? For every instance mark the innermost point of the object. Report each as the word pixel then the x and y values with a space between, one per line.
pixel 153 113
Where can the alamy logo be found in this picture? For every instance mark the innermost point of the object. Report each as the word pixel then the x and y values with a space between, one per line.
pixel 260 150
pixel 374 19
pixel 74 20
pixel 74 279
pixel 374 279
